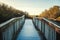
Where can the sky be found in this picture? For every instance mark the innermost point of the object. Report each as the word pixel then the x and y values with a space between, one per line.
pixel 33 7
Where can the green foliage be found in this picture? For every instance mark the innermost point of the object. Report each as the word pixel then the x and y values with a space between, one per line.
pixel 8 12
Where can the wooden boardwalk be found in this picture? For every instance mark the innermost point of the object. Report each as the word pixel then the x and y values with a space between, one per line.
pixel 28 32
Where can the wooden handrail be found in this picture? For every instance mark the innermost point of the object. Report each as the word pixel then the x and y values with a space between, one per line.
pixel 9 29
pixel 47 27
pixel 51 23
pixel 5 23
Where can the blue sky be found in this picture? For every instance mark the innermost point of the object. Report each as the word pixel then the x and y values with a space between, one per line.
pixel 32 6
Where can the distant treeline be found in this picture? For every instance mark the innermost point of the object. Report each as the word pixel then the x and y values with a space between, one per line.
pixel 8 12
pixel 52 13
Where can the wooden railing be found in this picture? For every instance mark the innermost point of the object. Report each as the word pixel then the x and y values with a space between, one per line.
pixel 9 28
pixel 50 30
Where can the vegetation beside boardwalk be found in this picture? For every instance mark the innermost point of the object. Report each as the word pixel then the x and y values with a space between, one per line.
pixel 8 12
pixel 52 13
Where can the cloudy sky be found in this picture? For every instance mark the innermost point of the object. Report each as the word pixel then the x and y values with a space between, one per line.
pixel 32 6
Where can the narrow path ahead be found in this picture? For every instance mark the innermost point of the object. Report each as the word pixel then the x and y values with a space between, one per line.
pixel 28 32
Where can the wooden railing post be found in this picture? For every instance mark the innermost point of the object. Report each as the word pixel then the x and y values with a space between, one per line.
pixel 9 28
pixel 47 27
